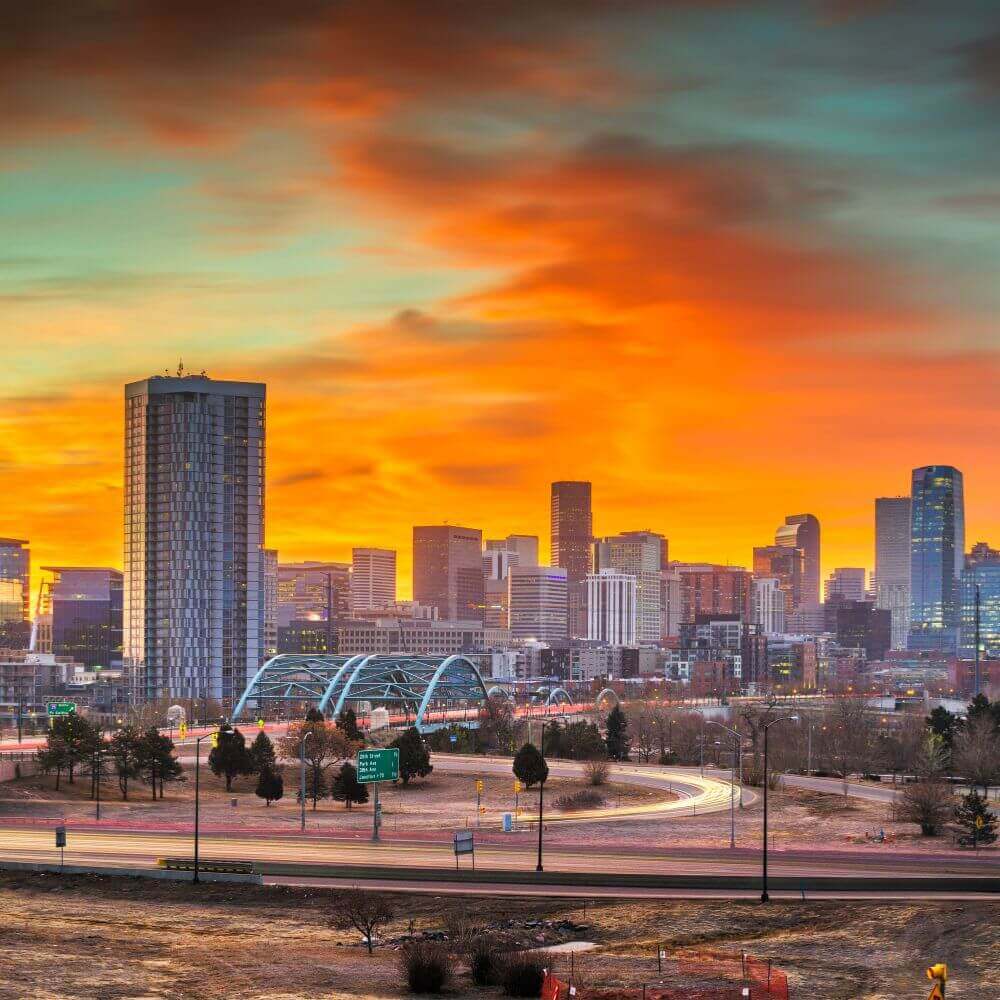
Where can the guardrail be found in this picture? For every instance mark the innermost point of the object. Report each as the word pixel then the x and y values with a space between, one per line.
pixel 206 865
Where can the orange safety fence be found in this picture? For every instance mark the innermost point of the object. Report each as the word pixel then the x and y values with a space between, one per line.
pixel 754 979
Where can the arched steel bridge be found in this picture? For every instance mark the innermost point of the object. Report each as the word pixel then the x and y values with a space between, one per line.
pixel 330 683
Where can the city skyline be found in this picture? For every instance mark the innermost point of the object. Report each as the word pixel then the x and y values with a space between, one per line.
pixel 43 550
pixel 610 244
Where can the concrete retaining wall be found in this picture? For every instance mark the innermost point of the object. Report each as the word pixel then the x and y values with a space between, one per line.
pixel 154 873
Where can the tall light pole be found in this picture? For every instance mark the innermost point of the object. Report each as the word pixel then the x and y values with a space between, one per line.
pixel 737 755
pixel 302 778
pixel 197 792
pixel 786 718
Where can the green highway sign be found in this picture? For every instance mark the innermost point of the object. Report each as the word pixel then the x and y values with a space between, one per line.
pixel 61 707
pixel 378 765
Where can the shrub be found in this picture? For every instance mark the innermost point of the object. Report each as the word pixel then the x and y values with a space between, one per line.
pixel 486 963
pixel 426 965
pixel 523 975
pixel 586 798
pixel 596 771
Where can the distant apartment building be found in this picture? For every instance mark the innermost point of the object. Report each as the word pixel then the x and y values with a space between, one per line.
pixel 537 599
pixel 802 531
pixel 892 563
pixel 980 609
pixel 194 528
pixel 269 576
pixel 313 590
pixel 85 609
pixel 612 607
pixel 15 593
pixel 847 582
pixel 792 663
pixel 709 589
pixel 373 580
pixel 448 570
pixel 787 565
pixel 523 548
pixel 722 639
pixel 768 604
pixel 860 625
pixel 638 554
pixel 417 636
pixel 670 600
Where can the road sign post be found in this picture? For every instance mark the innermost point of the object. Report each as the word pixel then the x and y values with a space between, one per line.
pixel 464 844
pixel 61 844
pixel 374 767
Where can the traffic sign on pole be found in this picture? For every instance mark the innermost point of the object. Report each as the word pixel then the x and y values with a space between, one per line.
pixel 378 765
pixel 61 707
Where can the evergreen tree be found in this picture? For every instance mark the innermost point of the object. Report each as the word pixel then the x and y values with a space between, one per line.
pixel 976 819
pixel 529 766
pixel 262 753
pixel 314 715
pixel 317 786
pixel 230 757
pixel 981 708
pixel 617 734
pixel 942 723
pixel 347 788
pixel 270 785
pixel 553 740
pixel 71 740
pixel 155 760
pixel 414 760
pixel 348 722
pixel 125 757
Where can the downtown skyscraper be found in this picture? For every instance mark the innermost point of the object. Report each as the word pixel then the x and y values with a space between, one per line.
pixel 801 531
pixel 572 534
pixel 194 527
pixel 892 564
pixel 448 570
pixel 937 555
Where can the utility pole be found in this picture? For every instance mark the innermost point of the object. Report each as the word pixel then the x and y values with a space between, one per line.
pixel 977 680
pixel 329 613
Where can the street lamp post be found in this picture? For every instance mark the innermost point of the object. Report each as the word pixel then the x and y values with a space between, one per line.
pixel 302 778
pixel 197 797
pixel 541 792
pixel 787 718
pixel 97 770
pixel 737 755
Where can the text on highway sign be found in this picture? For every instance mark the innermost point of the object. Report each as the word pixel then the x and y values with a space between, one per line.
pixel 61 707
pixel 378 765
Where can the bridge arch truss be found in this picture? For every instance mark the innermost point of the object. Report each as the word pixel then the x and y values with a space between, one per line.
pixel 414 684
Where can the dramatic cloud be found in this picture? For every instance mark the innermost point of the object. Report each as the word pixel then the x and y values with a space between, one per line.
pixel 726 259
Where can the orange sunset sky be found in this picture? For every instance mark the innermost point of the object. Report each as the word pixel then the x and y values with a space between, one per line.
pixel 728 260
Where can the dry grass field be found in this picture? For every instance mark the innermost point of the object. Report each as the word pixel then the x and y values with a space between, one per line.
pixel 77 938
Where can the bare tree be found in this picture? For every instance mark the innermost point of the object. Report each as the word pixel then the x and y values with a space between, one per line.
pixel 928 802
pixel 327 745
pixel 976 754
pixel 850 737
pixel 366 912
pixel 643 730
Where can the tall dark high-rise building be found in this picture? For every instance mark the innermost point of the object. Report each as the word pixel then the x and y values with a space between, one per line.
pixel 937 555
pixel 15 593
pixel 801 531
pixel 572 529
pixel 448 570
pixel 86 608
pixel 572 535
pixel 892 563
pixel 194 528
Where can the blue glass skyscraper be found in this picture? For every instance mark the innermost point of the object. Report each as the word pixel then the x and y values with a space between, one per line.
pixel 982 570
pixel 937 553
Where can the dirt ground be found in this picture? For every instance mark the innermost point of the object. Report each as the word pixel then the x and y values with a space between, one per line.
pixel 79 938
pixel 442 800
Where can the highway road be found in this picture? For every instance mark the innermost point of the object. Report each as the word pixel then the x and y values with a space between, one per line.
pixel 142 848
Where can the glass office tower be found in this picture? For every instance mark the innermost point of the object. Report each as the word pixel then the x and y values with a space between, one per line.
pixel 194 526
pixel 937 555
